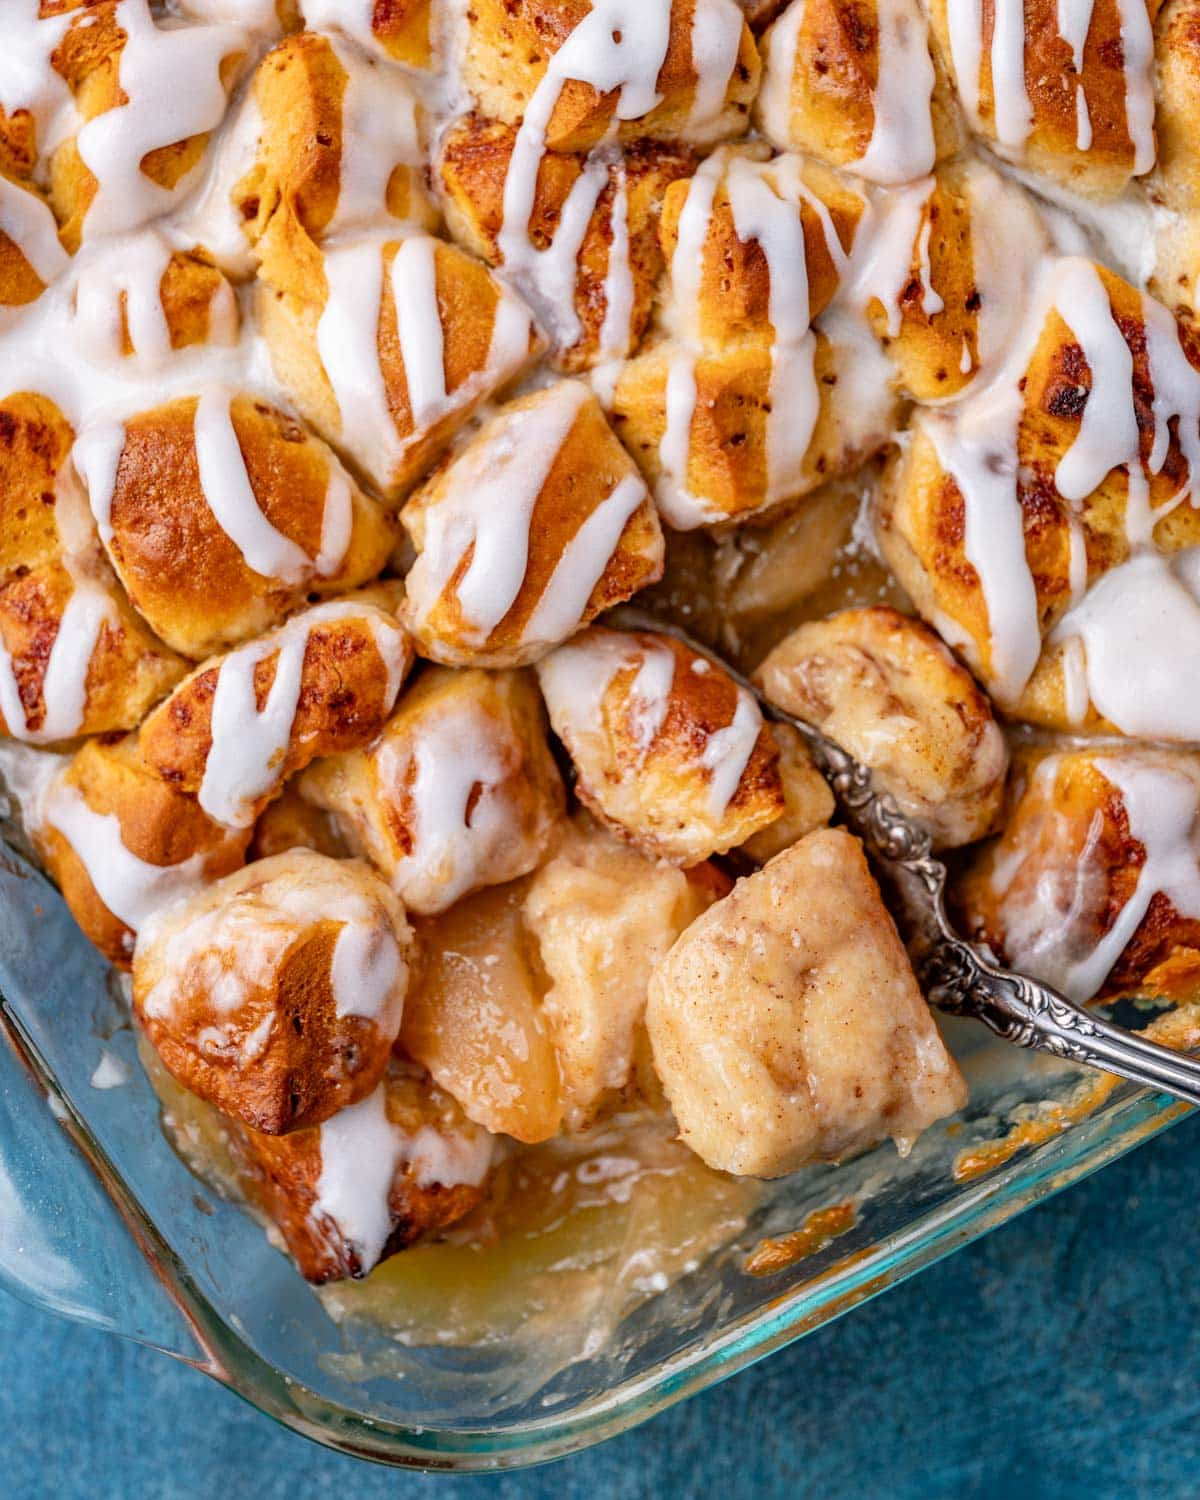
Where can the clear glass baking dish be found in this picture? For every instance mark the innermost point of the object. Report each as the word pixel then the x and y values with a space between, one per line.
pixel 102 1222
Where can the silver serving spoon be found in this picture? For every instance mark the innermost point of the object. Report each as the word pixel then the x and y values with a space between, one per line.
pixel 954 974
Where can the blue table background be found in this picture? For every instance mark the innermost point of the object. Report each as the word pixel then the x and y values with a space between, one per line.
pixel 1058 1357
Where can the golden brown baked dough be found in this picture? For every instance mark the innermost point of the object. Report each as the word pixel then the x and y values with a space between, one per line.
pixel 458 791
pixel 276 993
pixel 549 465
pixel 822 93
pixel 474 158
pixel 1086 145
pixel 668 751
pixel 106 809
pixel 292 822
pixel 429 1134
pixel 316 169
pixel 737 458
pixel 510 44
pixel 787 1026
pixel 923 517
pixel 368 410
pixel 885 688
pixel 30 253
pixel 807 800
pixel 115 669
pixel 184 571
pixel 343 662
pixel 731 286
pixel 89 59
pixel 1092 884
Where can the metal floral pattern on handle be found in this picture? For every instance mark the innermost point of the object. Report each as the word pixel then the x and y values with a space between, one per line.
pixel 955 975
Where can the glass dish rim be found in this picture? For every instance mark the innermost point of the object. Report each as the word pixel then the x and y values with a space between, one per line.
pixel 1034 1173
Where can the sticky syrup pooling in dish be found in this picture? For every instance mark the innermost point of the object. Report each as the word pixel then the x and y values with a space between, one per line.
pixel 356 360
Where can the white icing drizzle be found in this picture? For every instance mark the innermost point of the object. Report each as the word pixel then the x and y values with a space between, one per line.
pixel 775 95
pixel 352 18
pixel 895 237
pixel 1055 939
pixel 728 751
pixel 230 496
pixel 361 1152
pixel 618 47
pixel 978 445
pixel 124 277
pixel 459 756
pixel 130 887
pixel 1138 628
pixel 1137 46
pixel 348 343
pixel 27 81
pixel 249 743
pixel 575 680
pixel 616 330
pixel 379 133
pixel 487 509
pixel 171 80
pixel 901 147
pixel 1012 111
pixel 360 1155
pixel 418 320
pixel 64 683
pixel 678 505
pixel 28 222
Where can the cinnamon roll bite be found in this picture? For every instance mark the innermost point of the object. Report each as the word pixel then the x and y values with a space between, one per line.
pixel 546 467
pixel 276 993
pixel 220 514
pixel 668 750
pixel 399 1166
pixel 787 1026
pixel 1094 885
pixel 458 790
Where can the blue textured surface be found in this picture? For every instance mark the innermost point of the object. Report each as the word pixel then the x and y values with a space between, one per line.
pixel 1058 1357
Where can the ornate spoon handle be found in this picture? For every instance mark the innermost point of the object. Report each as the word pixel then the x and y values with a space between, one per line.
pixel 955 975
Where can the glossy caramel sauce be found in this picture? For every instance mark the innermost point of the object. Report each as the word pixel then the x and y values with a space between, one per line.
pixel 821 1227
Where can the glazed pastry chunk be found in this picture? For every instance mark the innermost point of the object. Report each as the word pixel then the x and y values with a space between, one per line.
pixel 669 752
pixel 1067 89
pixel 756 247
pixel 1094 885
pixel 234 730
pixel 586 256
pixel 276 993
pixel 858 86
pixel 75 659
pixel 786 1024
pixel 139 299
pixel 1177 181
pixel 148 96
pixel 31 255
pixel 339 148
pixel 575 74
pixel 726 436
pixel 120 843
pixel 943 271
pixel 885 688
pixel 807 801
pixel 405 31
pixel 459 790
pixel 1042 526
pixel 474 1017
pixel 392 345
pixel 380 1175
pixel 220 514
pixel 547 471
pixel 603 916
